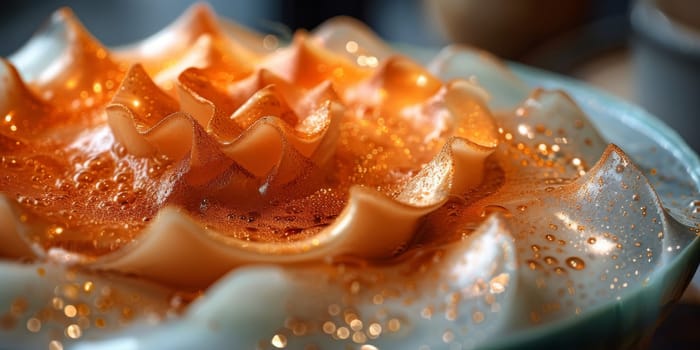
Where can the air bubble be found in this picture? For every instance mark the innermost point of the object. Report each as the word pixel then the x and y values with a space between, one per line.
pixel 123 177
pixel 85 177
pixel 103 185
pixel 124 197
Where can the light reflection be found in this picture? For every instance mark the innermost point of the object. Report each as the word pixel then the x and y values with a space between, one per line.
pixel 598 244
pixel 481 259
pixel 499 283
pixel 367 61
pixel 421 80
pixel 564 217
pixel 525 131
pixel 351 46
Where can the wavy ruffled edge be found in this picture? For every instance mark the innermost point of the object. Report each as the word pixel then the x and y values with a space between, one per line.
pixel 176 250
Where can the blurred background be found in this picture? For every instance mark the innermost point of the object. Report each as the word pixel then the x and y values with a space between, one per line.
pixel 514 29
pixel 645 51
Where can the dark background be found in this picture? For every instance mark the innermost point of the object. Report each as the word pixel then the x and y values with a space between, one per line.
pixel 121 22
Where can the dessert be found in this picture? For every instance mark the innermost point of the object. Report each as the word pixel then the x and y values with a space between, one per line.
pixel 207 183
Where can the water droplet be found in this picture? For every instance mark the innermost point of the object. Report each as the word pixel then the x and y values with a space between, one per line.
pixel 478 317
pixel 553 227
pixel 560 271
pixel 591 240
pixel 620 168
pixel 448 337
pixel 550 260
pixel 550 237
pixel 34 325
pixel 533 265
pixel 73 331
pixel 55 230
pixel 575 263
pixel 342 333
pixel 695 206
pixel 394 325
pixel 11 163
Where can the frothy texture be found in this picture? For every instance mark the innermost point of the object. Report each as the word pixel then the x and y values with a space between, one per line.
pixel 422 199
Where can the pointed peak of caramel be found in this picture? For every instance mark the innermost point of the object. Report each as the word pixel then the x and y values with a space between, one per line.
pixel 307 64
pixel 220 59
pixel 268 101
pixel 207 103
pixel 352 38
pixel 396 83
pixel 148 103
pixel 244 89
pixel 21 111
pixel 200 18
pixel 165 48
pixel 553 131
pixel 68 65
